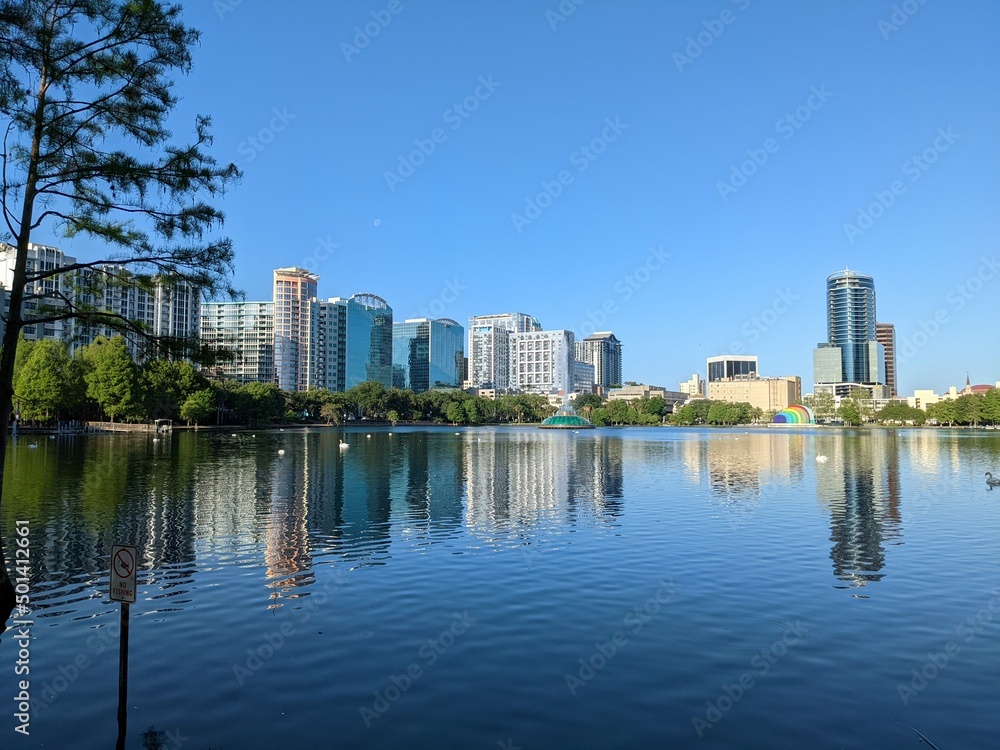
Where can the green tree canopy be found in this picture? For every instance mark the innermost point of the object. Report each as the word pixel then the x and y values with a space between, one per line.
pixel 50 382
pixel 85 96
pixel 112 378
pixel 198 406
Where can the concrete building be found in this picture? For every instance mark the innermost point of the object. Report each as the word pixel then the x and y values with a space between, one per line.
pixel 489 348
pixel 885 334
pixel 160 310
pixel 38 295
pixel 542 362
pixel 630 393
pixel 767 394
pixel 296 317
pixel 427 354
pixel 852 355
pixel 247 330
pixel 694 387
pixel 731 367
pixel 604 352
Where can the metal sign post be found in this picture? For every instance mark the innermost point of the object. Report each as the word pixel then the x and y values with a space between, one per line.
pixel 123 564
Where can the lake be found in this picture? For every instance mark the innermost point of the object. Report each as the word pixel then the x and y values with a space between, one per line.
pixel 513 588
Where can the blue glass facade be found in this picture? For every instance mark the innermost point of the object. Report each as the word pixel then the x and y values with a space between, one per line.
pixel 369 341
pixel 427 354
pixel 850 300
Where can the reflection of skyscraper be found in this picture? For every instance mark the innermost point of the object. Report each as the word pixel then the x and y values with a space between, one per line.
pixel 860 485
pixel 519 478
pixel 287 551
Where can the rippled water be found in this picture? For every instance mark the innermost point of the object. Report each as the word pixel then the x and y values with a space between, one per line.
pixel 514 588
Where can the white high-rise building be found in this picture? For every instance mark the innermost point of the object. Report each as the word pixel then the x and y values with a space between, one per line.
pixel 489 347
pixel 542 362
pixel 162 310
pixel 37 295
pixel 247 330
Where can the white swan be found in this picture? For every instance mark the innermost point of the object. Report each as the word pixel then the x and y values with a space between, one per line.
pixel 281 451
pixel 821 459
pixel 344 446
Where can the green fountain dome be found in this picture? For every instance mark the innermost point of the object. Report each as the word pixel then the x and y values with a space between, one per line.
pixel 566 419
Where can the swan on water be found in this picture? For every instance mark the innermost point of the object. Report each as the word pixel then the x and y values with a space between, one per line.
pixel 821 459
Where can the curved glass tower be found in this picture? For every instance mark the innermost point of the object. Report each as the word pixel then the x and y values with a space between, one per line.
pixel 850 299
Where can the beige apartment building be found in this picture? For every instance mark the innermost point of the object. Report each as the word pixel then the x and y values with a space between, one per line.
pixel 767 394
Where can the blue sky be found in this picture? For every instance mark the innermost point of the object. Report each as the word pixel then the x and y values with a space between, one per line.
pixel 696 164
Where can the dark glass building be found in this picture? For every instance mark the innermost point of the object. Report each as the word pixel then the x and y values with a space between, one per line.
pixel 427 354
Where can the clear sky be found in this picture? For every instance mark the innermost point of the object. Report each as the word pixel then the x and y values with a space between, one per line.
pixel 693 166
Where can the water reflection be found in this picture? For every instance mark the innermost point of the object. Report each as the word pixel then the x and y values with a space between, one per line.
pixel 861 489
pixel 281 503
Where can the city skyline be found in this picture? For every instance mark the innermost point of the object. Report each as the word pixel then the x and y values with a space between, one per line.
pixel 518 158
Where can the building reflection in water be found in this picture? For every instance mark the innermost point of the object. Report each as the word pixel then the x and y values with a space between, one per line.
pixel 859 484
pixel 521 478
pixel 741 470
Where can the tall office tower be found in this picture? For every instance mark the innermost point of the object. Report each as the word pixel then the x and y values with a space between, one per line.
pixel 885 334
pixel 45 293
pixel 246 329
pixel 542 362
pixel 604 352
pixel 489 347
pixel 295 317
pixel 368 340
pixel 731 367
pixel 852 355
pixel 427 354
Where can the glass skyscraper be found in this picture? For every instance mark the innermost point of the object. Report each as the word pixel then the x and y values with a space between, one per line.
pixel 369 340
pixel 427 354
pixel 851 331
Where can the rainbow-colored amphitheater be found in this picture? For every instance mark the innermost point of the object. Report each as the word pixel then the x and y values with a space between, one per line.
pixel 797 414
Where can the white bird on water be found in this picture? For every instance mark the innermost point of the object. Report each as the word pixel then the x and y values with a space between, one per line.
pixel 821 459
pixel 344 446
pixel 281 451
